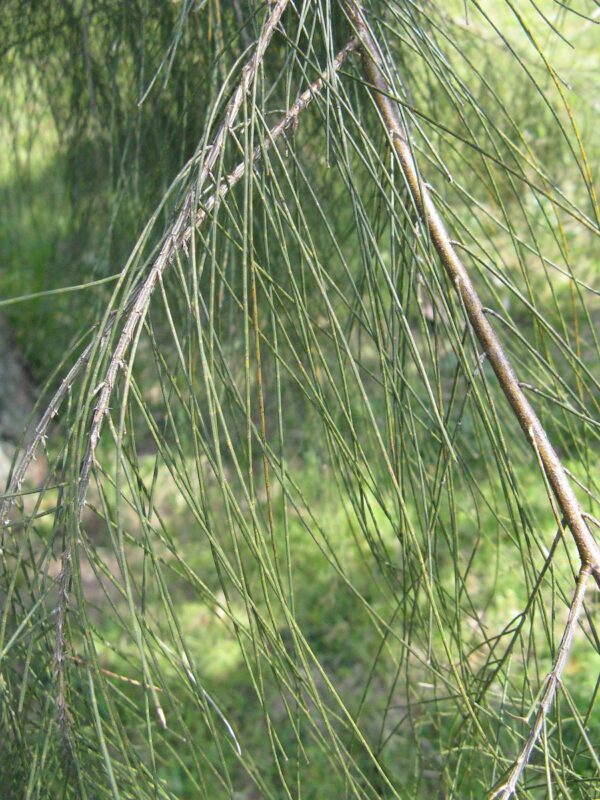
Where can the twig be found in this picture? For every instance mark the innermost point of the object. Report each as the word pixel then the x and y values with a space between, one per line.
pixel 180 235
pixel 587 546
pixel 132 307
pixel 174 240
pixel 506 791
pixel 110 674
pixel 286 121
pixel 41 430
pixel 60 646
pixel 20 470
pixel 133 682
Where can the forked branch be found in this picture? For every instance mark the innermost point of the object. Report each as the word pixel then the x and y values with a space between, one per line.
pixel 288 120
pixel 374 69
pixel 136 308
pixel 506 791
pixel 174 240
pixel 182 232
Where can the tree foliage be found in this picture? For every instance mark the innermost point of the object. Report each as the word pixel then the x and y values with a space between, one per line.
pixel 293 541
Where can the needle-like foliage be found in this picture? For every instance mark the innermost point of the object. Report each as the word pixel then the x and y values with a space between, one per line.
pixel 291 538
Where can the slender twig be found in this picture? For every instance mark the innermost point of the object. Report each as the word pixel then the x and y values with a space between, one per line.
pixel 41 429
pixel 80 662
pixel 60 647
pixel 273 134
pixel 51 411
pixel 180 235
pixel 506 791
pixel 133 682
pixel 174 240
pixel 587 546
pixel 285 122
